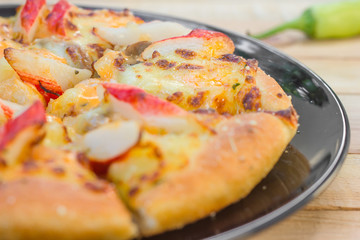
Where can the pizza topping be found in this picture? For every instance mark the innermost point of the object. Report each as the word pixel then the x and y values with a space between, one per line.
pixel 132 33
pixel 28 19
pixel 7 111
pixel 69 25
pixel 2 162
pixel 96 186
pixel 83 97
pixel 250 67
pixel 133 191
pixel 78 56
pixel 144 103
pixel 197 100
pixel 53 74
pixel 134 50
pixel 220 103
pixel 29 12
pixel 165 64
pixel 29 166
pixel 34 115
pixel 235 85
pixel 82 159
pixel 187 66
pixel 252 100
pixel 55 19
pixel 47 91
pixel 176 97
pixel 200 41
pixel 118 137
pixel 58 171
pixel 230 58
pixel 249 79
pixel 56 133
pixel 155 54
pixel 118 63
pixel 186 54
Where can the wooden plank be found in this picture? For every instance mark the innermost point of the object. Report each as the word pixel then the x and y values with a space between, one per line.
pixel 344 192
pixel 352 108
pixel 342 49
pixel 315 225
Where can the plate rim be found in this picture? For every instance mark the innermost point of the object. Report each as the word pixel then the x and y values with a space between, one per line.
pixel 321 183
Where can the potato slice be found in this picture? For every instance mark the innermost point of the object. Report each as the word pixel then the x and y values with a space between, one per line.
pixel 13 89
pixel 203 42
pixel 132 33
pixel 47 73
pixel 111 140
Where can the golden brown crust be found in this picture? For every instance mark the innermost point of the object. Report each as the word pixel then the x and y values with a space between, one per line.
pixel 228 167
pixel 39 208
pixel 274 100
pixel 273 97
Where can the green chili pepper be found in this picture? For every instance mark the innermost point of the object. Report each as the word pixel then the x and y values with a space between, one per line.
pixel 330 20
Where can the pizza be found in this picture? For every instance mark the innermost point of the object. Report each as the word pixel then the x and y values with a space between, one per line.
pixel 117 128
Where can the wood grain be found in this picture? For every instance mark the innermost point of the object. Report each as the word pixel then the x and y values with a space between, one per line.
pixel 344 191
pixel 314 225
pixel 352 108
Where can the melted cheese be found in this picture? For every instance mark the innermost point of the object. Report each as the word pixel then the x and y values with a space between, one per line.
pixel 83 97
pixel 191 83
pixel 153 160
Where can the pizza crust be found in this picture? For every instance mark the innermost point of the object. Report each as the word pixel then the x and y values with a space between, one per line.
pixel 60 210
pixel 273 97
pixel 233 162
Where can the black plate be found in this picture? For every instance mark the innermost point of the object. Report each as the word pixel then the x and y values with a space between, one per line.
pixel 310 162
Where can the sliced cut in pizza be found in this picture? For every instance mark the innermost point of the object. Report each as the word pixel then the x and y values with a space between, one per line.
pixel 67 200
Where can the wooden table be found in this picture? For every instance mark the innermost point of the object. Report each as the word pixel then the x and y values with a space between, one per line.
pixel 335 214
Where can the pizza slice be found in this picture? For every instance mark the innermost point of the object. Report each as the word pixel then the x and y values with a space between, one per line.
pixel 177 166
pixel 50 193
pixel 198 71
pixel 174 178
